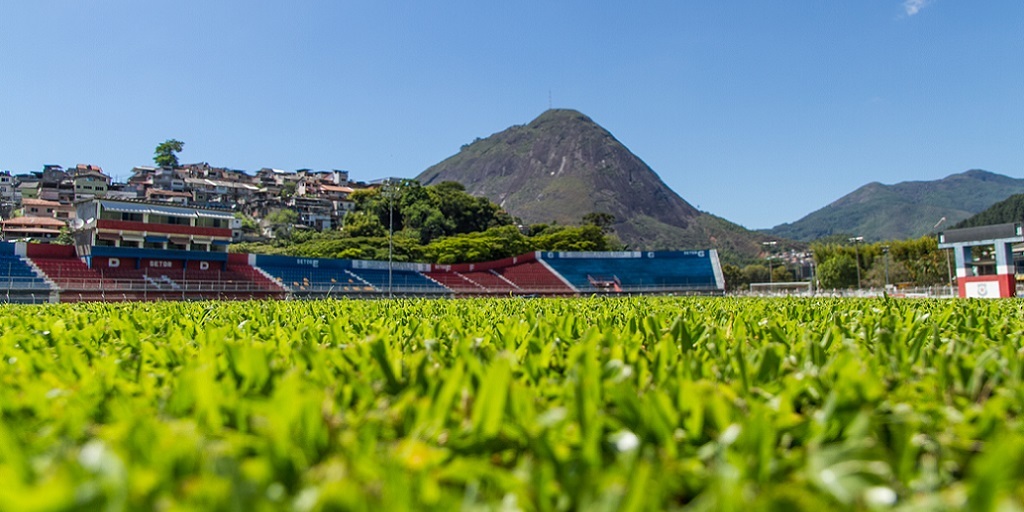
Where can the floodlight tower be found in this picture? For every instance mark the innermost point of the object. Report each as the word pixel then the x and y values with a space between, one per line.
pixel 389 187
pixel 857 240
pixel 885 250
pixel 771 245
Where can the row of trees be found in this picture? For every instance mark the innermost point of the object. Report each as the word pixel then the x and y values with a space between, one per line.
pixel 438 223
pixel 916 262
pixel 837 263
pixel 426 213
pixel 739 278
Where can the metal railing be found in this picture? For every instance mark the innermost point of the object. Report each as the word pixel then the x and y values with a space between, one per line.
pixel 936 292
pixel 162 287
pixel 23 283
pixel 157 284
pixel 318 289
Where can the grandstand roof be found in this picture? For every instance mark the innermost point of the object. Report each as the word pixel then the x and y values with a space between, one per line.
pixel 162 208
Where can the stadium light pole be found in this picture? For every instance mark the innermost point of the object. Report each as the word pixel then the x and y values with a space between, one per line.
pixel 389 187
pixel 856 250
pixel 814 275
pixel 885 251
pixel 391 232
pixel 771 245
pixel 949 264
pixel 949 270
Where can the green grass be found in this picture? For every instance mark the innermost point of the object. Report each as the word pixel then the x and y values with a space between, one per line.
pixel 585 404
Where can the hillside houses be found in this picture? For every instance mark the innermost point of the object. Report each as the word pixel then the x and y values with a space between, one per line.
pixel 88 181
pixel 37 205
pixel 8 187
pixel 321 198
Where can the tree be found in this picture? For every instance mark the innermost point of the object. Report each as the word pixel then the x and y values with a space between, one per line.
pixel 249 225
pixel 574 238
pixel 65 237
pixel 495 243
pixel 874 277
pixel 281 222
pixel 363 224
pixel 469 214
pixel 840 271
pixel 781 274
pixel 755 273
pixel 601 220
pixel 734 278
pixel 166 153
pixel 427 221
pixel 924 261
pixel 288 190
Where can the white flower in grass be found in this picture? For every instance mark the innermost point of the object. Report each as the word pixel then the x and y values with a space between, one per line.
pixel 729 436
pixel 306 500
pixel 92 454
pixel 625 441
pixel 880 496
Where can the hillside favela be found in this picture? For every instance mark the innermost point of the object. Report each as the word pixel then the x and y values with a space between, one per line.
pixel 531 257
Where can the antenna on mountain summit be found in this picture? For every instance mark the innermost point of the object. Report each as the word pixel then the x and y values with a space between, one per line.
pixel 549 99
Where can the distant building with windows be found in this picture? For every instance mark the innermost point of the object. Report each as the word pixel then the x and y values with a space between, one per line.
pixel 168 196
pixel 89 181
pixel 151 225
pixel 35 229
pixel 9 197
pixel 7 187
pixel 38 207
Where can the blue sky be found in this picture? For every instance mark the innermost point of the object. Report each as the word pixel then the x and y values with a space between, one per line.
pixel 759 112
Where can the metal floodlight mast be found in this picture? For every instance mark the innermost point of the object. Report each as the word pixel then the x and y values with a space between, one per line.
pixel 885 250
pixel 857 240
pixel 949 270
pixel 389 187
pixel 770 244
pixel 391 233
pixel 949 264
pixel 814 274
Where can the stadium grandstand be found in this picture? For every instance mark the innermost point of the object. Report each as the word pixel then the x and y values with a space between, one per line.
pixel 311 277
pixel 105 223
pixel 130 250
pixel 22 281
pixel 40 272
pixel 34 273
pixel 636 271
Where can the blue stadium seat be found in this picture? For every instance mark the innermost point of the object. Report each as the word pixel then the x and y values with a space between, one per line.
pixel 319 274
pixel 16 273
pixel 400 279
pixel 667 271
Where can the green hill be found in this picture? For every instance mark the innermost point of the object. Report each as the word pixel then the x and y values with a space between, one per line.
pixel 563 165
pixel 1010 209
pixel 904 210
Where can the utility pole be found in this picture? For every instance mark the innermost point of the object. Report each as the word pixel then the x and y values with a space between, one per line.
pixel 949 269
pixel 391 190
pixel 391 233
pixel 856 241
pixel 771 247
pixel 885 251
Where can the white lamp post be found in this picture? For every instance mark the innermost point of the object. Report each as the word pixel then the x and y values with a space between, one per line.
pixel 389 186
pixel 771 246
pixel 856 241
